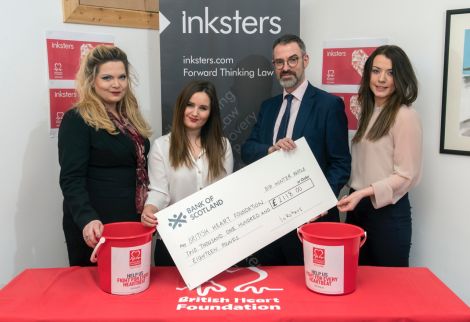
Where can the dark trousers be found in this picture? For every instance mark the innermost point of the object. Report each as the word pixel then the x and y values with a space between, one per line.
pixel 388 232
pixel 161 256
pixel 287 250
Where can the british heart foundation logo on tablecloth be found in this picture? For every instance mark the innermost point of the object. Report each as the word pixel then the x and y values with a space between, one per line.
pixel 242 292
pixel 251 285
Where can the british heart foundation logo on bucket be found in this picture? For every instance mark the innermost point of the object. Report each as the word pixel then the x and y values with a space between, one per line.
pixel 331 254
pixel 135 257
pixel 318 255
pixel 124 255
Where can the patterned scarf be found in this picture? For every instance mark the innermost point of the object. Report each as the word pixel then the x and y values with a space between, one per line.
pixel 142 178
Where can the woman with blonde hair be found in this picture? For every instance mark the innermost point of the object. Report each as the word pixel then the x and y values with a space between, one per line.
pixel 191 157
pixel 103 145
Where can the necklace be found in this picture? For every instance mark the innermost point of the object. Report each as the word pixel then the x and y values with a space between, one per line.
pixel 196 144
pixel 195 147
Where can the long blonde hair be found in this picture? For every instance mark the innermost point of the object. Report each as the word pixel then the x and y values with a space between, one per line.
pixel 211 133
pixel 90 105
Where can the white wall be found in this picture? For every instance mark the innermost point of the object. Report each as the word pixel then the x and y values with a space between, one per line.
pixel 441 219
pixel 30 199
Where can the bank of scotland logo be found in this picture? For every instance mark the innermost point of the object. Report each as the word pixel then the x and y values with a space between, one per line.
pixel 177 220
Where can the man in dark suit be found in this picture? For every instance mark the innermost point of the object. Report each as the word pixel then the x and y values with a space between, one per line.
pixel 311 113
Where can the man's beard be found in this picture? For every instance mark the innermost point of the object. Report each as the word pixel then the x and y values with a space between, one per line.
pixel 288 83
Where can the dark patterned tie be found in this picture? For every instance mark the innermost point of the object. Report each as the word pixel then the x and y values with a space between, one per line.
pixel 285 119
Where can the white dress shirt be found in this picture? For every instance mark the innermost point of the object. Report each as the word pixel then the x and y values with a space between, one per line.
pixel 298 94
pixel 169 185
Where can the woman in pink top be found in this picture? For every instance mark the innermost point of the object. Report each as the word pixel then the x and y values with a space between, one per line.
pixel 386 158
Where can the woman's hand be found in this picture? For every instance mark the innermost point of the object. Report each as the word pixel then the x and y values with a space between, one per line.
pixel 92 232
pixel 348 203
pixel 148 217
pixel 317 217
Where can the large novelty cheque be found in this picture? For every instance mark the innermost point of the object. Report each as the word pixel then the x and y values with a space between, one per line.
pixel 215 228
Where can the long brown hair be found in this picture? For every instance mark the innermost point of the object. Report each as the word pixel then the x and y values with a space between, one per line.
pixel 406 92
pixel 91 107
pixel 211 133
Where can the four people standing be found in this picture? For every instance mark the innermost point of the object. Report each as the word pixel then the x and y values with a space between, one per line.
pixel 386 158
pixel 103 145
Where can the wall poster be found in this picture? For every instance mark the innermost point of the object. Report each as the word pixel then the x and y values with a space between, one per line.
pixel 455 118
pixel 343 64
pixel 64 53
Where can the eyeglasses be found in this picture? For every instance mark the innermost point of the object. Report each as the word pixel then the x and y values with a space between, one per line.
pixel 291 62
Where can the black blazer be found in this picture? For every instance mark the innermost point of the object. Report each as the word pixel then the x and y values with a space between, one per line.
pixel 97 175
pixel 321 120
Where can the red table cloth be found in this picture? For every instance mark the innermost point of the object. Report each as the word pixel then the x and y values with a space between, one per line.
pixel 245 294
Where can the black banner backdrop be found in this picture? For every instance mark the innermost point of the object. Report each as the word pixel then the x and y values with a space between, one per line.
pixel 228 43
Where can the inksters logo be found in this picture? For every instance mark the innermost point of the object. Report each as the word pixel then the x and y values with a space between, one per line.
pixel 209 23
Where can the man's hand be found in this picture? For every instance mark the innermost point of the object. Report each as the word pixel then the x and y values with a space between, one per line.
pixel 285 144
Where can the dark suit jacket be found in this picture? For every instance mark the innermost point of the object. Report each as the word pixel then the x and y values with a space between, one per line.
pixel 321 120
pixel 97 175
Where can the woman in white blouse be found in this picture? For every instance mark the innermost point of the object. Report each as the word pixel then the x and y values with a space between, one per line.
pixel 386 158
pixel 191 157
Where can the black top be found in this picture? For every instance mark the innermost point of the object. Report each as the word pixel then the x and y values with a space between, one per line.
pixel 98 173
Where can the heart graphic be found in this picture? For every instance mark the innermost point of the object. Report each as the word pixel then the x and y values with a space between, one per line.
pixel 319 253
pixel 354 106
pixel 358 60
pixel 135 254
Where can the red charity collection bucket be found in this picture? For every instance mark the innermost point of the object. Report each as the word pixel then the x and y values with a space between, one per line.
pixel 124 254
pixel 331 255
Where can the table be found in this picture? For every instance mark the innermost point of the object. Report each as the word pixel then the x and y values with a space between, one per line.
pixel 247 294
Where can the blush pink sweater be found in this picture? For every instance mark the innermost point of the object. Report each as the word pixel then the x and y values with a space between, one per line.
pixel 391 165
